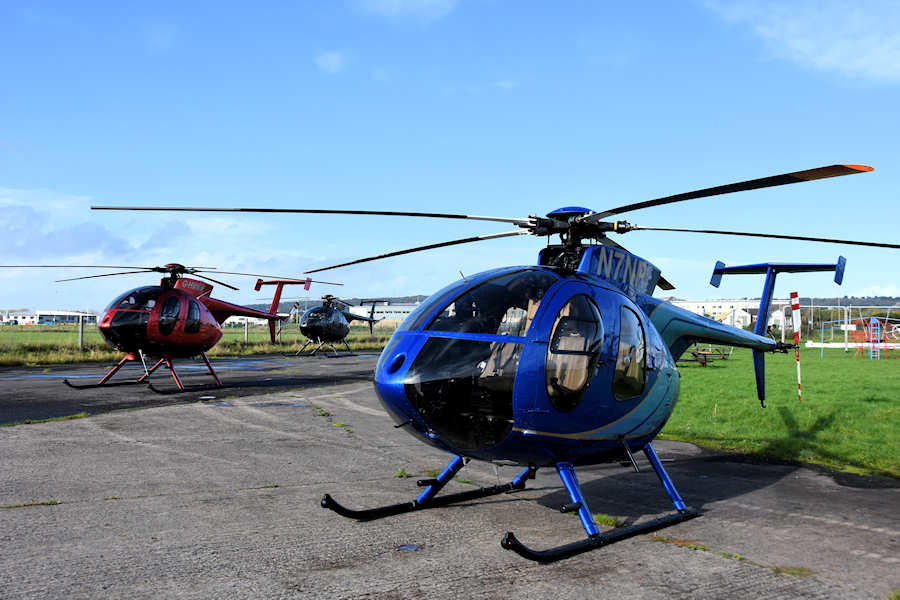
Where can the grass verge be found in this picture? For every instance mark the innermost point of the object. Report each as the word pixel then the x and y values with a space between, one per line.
pixel 846 421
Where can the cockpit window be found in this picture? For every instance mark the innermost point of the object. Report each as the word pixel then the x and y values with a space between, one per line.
pixel 168 315
pixel 420 314
pixel 192 323
pixel 463 389
pixel 312 316
pixel 501 306
pixel 574 350
pixel 142 298
pixel 628 380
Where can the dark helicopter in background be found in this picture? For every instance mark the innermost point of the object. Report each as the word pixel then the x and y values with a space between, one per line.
pixel 564 363
pixel 176 319
pixel 329 323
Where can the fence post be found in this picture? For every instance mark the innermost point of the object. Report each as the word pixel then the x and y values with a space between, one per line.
pixel 246 332
pixel 81 333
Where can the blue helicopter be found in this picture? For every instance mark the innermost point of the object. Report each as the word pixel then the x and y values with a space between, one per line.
pixel 565 363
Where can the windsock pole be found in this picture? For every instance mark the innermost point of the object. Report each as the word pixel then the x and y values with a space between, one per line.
pixel 795 319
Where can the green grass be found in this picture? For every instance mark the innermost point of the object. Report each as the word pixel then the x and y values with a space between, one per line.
pixel 607 520
pixel 58 344
pixel 847 420
pixel 700 547
pixel 44 503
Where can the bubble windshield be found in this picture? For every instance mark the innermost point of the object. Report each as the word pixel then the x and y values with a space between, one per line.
pixel 142 298
pixel 504 305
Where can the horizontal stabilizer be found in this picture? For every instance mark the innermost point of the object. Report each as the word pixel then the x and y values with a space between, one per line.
pixel 771 271
pixel 763 268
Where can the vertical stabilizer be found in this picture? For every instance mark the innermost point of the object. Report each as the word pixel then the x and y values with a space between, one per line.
pixel 765 302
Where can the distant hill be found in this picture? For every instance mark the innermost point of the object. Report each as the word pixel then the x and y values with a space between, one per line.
pixel 853 301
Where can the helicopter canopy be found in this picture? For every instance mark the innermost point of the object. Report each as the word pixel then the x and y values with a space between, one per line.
pixel 503 305
pixel 142 298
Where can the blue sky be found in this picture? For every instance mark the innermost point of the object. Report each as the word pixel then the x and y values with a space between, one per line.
pixel 479 107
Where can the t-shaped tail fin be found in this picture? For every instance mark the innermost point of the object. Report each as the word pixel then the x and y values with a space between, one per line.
pixel 765 303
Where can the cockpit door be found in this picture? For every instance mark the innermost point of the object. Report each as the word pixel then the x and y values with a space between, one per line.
pixel 565 355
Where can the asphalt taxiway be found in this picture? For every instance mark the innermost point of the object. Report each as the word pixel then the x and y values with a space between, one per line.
pixel 34 393
pixel 219 498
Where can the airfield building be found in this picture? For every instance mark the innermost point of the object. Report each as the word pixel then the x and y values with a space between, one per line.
pixel 738 312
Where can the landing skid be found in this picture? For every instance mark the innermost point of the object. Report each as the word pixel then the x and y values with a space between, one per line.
pixel 428 498
pixel 595 539
pixel 166 359
pixel 510 542
pixel 90 386
pixel 319 347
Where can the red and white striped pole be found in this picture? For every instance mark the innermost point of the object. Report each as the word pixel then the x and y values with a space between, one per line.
pixel 795 319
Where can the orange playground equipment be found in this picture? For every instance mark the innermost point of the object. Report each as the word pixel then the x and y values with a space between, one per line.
pixel 878 336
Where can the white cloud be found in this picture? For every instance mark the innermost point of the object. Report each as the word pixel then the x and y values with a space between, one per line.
pixel 425 11
pixel 331 62
pixel 851 38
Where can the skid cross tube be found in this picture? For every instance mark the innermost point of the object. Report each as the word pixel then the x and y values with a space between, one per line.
pixel 428 498
pixel 595 539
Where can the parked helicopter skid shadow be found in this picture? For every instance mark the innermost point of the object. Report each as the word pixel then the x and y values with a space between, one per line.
pixel 255 386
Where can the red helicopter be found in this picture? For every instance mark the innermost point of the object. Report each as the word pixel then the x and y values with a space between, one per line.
pixel 176 319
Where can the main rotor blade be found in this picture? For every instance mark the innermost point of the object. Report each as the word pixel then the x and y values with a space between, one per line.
pixel 478 238
pixel 215 281
pixel 292 279
pixel 526 221
pixel 802 238
pixel 104 275
pixel 72 267
pixel 741 186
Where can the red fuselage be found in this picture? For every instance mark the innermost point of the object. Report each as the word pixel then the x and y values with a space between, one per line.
pixel 176 321
pixel 159 321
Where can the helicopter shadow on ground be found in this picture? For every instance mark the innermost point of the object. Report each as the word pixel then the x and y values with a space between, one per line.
pixel 709 477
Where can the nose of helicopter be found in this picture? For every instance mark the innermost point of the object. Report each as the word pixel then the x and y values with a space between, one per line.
pixel 454 393
pixel 124 329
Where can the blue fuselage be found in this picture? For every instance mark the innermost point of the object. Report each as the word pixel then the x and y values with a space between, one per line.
pixel 522 365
